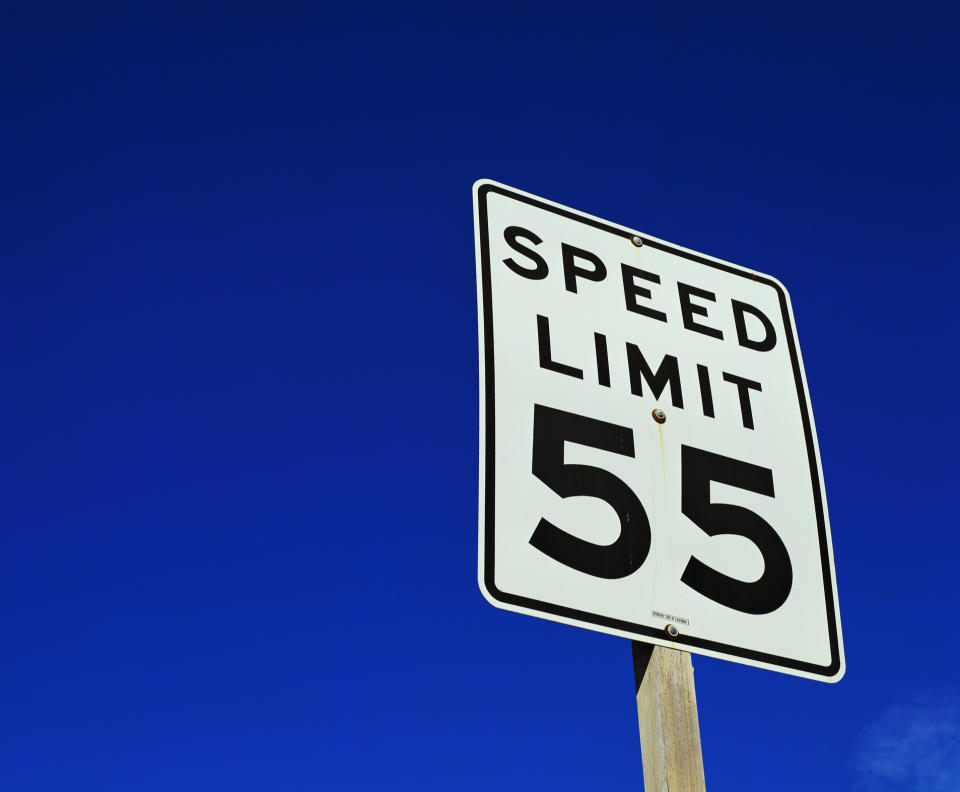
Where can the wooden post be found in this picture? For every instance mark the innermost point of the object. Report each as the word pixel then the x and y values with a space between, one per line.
pixel 667 711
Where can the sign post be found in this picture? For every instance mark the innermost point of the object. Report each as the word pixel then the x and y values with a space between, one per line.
pixel 667 714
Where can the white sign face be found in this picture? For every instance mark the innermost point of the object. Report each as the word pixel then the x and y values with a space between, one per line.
pixel 649 464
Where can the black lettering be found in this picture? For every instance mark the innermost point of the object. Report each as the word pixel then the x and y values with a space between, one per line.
pixel 546 361
pixel 706 393
pixel 571 271
pixel 539 272
pixel 770 336
pixel 552 430
pixel 603 361
pixel 772 588
pixel 688 309
pixel 744 386
pixel 667 374
pixel 631 290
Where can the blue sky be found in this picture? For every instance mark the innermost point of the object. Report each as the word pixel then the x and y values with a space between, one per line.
pixel 239 401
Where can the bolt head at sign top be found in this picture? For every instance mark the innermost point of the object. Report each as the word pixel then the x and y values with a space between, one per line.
pixel 649 462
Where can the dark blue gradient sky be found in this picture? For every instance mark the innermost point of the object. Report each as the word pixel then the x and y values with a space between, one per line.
pixel 239 380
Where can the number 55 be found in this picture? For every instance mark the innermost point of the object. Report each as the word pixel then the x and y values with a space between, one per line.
pixel 551 428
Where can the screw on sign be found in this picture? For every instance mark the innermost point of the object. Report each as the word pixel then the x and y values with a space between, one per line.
pixel 594 515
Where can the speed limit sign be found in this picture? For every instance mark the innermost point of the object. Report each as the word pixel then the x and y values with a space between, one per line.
pixel 649 463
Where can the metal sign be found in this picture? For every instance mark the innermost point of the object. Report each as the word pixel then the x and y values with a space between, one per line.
pixel 649 464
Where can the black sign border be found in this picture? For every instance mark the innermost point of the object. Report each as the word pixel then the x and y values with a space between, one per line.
pixel 638 630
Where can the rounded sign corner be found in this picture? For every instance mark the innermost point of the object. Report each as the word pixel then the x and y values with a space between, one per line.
pixel 778 286
pixel 836 671
pixel 482 186
pixel 491 594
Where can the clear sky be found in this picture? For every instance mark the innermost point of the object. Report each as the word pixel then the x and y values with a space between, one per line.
pixel 239 381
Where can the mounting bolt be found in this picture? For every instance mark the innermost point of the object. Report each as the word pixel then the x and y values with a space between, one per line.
pixel 672 630
pixel 659 415
pixel 637 241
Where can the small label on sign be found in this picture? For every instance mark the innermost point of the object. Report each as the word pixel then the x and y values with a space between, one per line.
pixel 669 618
